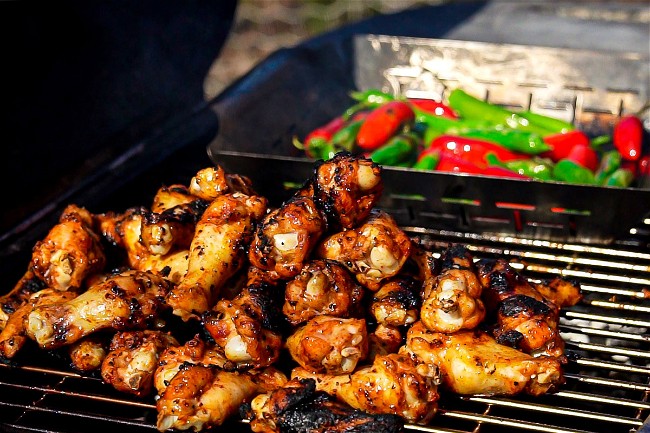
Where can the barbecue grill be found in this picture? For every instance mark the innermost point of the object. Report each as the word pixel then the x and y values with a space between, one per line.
pixel 608 339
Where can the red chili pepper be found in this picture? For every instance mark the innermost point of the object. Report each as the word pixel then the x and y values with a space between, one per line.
pixel 382 123
pixel 562 144
pixel 585 156
pixel 434 107
pixel 473 150
pixel 643 166
pixel 323 133
pixel 454 164
pixel 628 137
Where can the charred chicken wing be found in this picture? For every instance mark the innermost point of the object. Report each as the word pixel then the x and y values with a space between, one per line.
pixel 88 353
pixel 472 362
pixel 217 252
pixel 347 187
pixel 133 358
pixel 373 252
pixel 321 287
pixel 70 252
pixel 328 344
pixel 129 300
pixel 19 296
pixel 286 237
pixel 298 407
pixel 393 384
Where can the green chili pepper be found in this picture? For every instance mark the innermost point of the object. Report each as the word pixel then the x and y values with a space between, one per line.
pixel 469 107
pixel 399 149
pixel 609 163
pixel 549 123
pixel 535 168
pixel 514 140
pixel 327 152
pixel 372 96
pixel 427 161
pixel 344 139
pixel 445 125
pixel 621 178
pixel 566 170
pixel 600 141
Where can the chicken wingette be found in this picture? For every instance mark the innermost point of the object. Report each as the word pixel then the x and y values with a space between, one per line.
pixel 297 407
pixel 132 360
pixel 328 344
pixel 247 328
pixel 347 187
pixel 217 252
pixel 524 318
pixel 128 300
pixel 70 252
pixel 19 295
pixel 472 362
pixel 200 397
pixel 393 384
pixel 322 287
pixel 373 252
pixel 87 354
pixel 286 237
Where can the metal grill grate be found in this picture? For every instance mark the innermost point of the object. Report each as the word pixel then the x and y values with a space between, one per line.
pixel 608 342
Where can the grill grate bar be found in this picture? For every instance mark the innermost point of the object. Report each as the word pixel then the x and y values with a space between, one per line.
pixel 505 422
pixel 608 382
pixel 556 410
pixel 605 333
pixel 607 319
pixel 584 275
pixel 606 365
pixel 642 405
pixel 609 349
pixel 613 291
pixel 621 306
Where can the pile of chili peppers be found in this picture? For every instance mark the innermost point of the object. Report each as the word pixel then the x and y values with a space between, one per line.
pixel 468 135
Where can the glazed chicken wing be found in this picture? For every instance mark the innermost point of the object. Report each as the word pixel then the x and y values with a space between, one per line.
pixel 200 397
pixel 14 334
pixel 70 252
pixel 328 344
pixel 286 237
pixel 129 300
pixel 373 252
pixel 298 407
pixel 211 182
pixel 561 291
pixel 217 252
pixel 321 287
pixel 397 303
pixel 19 296
pixel 133 358
pixel 472 362
pixel 524 318
pixel 172 228
pixel 347 187
pixel 246 328
pixel 393 384
pixel 87 354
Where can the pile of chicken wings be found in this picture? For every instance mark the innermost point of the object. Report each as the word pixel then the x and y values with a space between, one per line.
pixel 317 315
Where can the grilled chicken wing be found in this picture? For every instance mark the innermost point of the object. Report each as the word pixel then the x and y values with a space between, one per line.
pixel 383 340
pixel 397 303
pixel 173 266
pixel 373 252
pixel 561 291
pixel 70 252
pixel 14 335
pixel 124 230
pixel 133 358
pixel 472 362
pixel 196 352
pixel 200 397
pixel 426 264
pixel 347 187
pixel 19 296
pixel 211 182
pixel 168 197
pixel 129 300
pixel 247 327
pixel 393 384
pixel 217 252
pixel 328 344
pixel 524 318
pixel 297 407
pixel 286 237
pixel 321 287
pixel 88 353
pixel 172 228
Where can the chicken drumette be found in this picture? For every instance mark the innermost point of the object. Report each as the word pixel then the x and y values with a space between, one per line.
pixel 298 407
pixel 322 287
pixel 373 252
